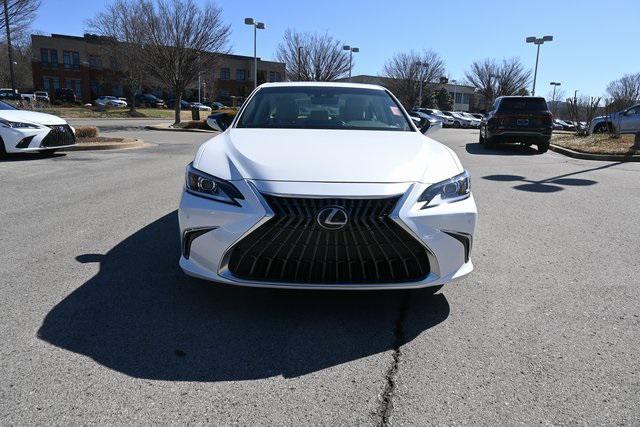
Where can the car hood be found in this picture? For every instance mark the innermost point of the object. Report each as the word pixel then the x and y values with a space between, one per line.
pixel 314 155
pixel 31 116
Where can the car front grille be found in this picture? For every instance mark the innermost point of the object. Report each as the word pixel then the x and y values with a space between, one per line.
pixel 292 247
pixel 58 136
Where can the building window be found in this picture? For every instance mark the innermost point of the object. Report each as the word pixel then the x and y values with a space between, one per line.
pixel 452 95
pixel 54 58
pixel 272 76
pixel 278 76
pixel 466 98
pixel 240 75
pixel 116 90
pixel 95 88
pixel 225 74
pixel 50 84
pixel 458 98
pixel 74 85
pixel 95 62
pixel 44 57
pixel 71 59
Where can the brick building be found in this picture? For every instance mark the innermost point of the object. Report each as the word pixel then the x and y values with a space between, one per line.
pixel 83 65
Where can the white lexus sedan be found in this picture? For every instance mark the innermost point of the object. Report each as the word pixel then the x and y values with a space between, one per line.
pixel 326 186
pixel 29 131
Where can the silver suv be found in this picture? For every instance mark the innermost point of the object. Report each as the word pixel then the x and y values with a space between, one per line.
pixel 625 121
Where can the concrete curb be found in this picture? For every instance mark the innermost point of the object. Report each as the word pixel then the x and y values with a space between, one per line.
pixel 590 156
pixel 155 127
pixel 130 143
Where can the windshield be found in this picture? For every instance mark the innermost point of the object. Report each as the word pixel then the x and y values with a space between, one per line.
pixel 5 106
pixel 523 104
pixel 317 107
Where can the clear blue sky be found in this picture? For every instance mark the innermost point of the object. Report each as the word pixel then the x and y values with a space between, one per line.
pixel 594 41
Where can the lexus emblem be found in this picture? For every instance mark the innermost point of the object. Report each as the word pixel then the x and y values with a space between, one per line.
pixel 332 218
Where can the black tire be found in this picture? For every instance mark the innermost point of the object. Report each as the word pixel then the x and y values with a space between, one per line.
pixel 456 124
pixel 480 138
pixel 543 147
pixel 602 128
pixel 3 151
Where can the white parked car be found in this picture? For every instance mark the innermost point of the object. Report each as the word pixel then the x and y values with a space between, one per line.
pixel 475 122
pixel 459 121
pixel 200 106
pixel 28 131
pixel 111 101
pixel 326 186
pixel 625 121
pixel 446 120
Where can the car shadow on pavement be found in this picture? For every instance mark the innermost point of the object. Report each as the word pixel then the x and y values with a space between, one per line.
pixel 500 150
pixel 550 185
pixel 21 157
pixel 140 315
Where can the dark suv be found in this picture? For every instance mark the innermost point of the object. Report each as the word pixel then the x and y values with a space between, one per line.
pixel 148 100
pixel 524 119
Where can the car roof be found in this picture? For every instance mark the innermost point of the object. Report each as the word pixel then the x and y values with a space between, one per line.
pixel 322 84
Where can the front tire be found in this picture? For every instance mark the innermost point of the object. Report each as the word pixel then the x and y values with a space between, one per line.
pixel 456 124
pixel 603 128
pixel 543 147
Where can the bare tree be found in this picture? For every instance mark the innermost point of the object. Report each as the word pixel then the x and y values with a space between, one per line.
pixel 410 70
pixel 16 20
pixel 583 109
pixel 182 38
pixel 625 91
pixel 312 56
pixel 493 79
pixel 123 29
pixel 554 97
pixel 21 14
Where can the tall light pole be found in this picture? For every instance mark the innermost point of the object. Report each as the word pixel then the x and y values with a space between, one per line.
pixel 351 50
pixel 256 26
pixel 299 63
pixel 453 104
pixel 420 65
pixel 538 42
pixel 555 85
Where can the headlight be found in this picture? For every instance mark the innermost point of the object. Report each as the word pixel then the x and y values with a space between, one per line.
pixel 18 125
pixel 204 185
pixel 448 191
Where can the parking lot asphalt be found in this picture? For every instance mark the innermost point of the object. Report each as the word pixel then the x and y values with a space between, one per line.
pixel 99 325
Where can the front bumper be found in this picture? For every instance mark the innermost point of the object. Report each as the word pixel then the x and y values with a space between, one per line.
pixel 217 227
pixel 54 137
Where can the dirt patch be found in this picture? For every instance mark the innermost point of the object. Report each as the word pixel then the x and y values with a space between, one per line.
pixel 597 144
pixel 101 140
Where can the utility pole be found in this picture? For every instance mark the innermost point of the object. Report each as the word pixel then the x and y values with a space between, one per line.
pixel 9 48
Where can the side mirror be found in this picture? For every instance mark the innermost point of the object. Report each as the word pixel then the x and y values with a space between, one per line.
pixel 431 127
pixel 219 121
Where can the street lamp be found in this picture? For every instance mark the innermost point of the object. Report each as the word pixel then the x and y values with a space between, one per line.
pixel 453 104
pixel 256 26
pixel 555 85
pixel 420 76
pixel 538 42
pixel 351 50
pixel 299 62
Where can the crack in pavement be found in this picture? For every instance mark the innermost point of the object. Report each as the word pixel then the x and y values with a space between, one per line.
pixel 386 398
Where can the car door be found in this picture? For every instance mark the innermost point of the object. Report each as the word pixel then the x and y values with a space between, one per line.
pixel 630 120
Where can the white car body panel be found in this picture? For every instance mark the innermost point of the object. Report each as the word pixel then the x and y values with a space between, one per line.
pixel 11 137
pixel 323 164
